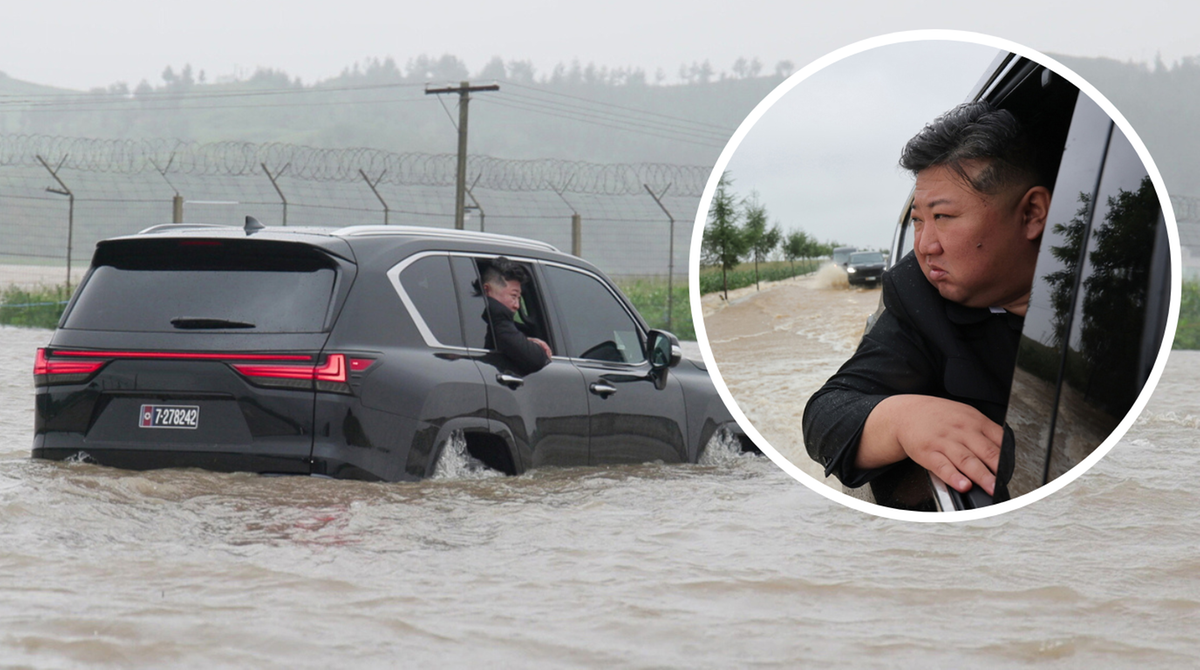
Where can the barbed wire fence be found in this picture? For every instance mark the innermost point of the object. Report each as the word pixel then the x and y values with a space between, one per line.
pixel 60 195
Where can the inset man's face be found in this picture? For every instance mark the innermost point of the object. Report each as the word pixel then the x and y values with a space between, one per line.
pixel 507 293
pixel 978 250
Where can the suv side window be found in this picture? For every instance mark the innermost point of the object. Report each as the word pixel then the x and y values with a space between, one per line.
pixel 472 308
pixel 597 324
pixel 428 285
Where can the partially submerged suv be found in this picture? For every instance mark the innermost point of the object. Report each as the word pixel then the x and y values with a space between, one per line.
pixel 354 353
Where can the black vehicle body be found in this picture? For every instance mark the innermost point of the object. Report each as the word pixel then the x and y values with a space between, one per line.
pixel 865 268
pixel 353 353
pixel 1100 298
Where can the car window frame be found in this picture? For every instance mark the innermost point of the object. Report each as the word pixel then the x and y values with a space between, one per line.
pixel 638 322
pixel 394 272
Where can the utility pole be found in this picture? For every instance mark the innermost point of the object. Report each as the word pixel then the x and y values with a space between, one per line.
pixel 464 89
pixel 70 207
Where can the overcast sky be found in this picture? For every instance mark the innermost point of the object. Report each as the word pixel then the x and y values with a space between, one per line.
pixel 82 43
pixel 823 158
pixel 823 185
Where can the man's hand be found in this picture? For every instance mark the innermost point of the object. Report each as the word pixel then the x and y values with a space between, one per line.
pixel 545 347
pixel 952 440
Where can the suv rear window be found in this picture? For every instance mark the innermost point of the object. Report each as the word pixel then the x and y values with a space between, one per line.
pixel 194 284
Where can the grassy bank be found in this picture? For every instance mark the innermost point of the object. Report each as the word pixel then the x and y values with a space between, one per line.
pixel 743 275
pixel 38 307
pixel 649 296
pixel 1187 336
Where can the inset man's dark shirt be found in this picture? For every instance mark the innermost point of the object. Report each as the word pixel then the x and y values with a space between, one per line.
pixel 922 344
pixel 504 337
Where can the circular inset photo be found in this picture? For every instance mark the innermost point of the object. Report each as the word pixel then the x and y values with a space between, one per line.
pixel 935 275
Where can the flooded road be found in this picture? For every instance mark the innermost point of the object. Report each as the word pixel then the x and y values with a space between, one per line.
pixel 774 348
pixel 709 566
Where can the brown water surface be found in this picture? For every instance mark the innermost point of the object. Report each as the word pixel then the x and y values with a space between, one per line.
pixel 712 566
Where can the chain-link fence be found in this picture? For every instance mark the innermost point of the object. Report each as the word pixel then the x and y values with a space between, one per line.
pixel 59 196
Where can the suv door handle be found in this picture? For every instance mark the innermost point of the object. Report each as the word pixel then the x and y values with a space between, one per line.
pixel 602 389
pixel 511 381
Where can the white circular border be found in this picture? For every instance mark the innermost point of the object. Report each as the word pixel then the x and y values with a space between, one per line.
pixel 945 36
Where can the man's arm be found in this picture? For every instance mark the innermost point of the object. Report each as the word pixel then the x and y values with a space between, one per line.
pixel 527 354
pixel 882 406
pixel 953 440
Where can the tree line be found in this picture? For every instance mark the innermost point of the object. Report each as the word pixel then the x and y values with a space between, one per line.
pixel 737 231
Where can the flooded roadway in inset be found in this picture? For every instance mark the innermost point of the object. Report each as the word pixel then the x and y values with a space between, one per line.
pixel 775 347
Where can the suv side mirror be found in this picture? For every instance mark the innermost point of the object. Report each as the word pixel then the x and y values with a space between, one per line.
pixel 663 351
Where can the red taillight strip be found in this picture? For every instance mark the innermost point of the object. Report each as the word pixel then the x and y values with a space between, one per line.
pixel 334 370
pixel 185 356
pixel 44 366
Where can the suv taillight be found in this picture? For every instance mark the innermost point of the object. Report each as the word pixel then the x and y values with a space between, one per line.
pixel 331 376
pixel 48 371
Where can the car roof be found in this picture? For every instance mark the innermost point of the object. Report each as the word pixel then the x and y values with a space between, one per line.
pixel 347 233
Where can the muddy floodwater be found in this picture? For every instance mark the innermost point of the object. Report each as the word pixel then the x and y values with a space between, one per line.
pixel 775 347
pixel 728 564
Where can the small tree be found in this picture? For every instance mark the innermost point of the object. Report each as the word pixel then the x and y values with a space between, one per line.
pixel 760 240
pixel 723 242
pixel 798 245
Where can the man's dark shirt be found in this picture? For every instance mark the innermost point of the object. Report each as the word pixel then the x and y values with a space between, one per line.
pixel 922 344
pixel 504 337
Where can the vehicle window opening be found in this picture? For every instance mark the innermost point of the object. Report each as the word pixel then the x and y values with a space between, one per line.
pixel 530 318
pixel 599 326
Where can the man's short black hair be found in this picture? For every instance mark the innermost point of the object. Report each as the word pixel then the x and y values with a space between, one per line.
pixel 500 270
pixel 976 131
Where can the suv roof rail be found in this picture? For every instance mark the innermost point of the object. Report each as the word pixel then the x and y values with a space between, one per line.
pixel 447 233
pixel 164 227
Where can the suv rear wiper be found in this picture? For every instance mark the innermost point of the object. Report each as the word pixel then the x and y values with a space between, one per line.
pixel 202 323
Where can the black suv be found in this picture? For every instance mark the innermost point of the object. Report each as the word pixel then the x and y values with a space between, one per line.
pixel 1101 292
pixel 354 353
pixel 865 268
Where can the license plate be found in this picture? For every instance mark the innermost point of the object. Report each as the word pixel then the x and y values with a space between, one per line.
pixel 170 416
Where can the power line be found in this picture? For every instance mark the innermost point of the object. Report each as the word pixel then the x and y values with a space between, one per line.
pixel 585 113
pixel 676 137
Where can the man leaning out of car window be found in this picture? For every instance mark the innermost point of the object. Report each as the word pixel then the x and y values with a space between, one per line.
pixel 502 280
pixel 930 381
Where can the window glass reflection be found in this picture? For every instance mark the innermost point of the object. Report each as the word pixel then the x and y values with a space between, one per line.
pixel 597 325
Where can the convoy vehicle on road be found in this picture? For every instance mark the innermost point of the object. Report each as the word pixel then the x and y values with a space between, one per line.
pixel 354 353
pixel 865 268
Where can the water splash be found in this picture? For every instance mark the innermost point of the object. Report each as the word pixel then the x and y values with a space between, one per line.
pixel 722 448
pixel 456 463
pixel 831 277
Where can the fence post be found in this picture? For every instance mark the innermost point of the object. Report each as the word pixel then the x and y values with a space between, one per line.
pixel 278 190
pixel 576 219
pixel 577 235
pixel 177 200
pixel 471 194
pixel 670 252
pixel 386 209
pixel 70 209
